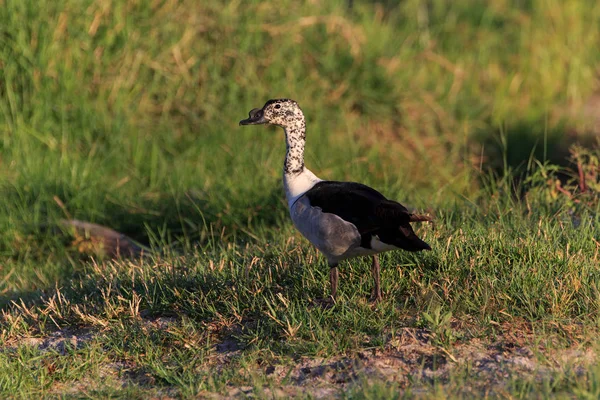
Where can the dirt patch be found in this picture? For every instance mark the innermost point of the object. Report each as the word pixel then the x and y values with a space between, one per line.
pixel 410 359
pixel 61 340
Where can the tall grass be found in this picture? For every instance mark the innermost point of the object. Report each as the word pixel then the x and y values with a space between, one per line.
pixel 126 112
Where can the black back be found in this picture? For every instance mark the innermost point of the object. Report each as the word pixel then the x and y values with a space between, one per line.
pixel 369 211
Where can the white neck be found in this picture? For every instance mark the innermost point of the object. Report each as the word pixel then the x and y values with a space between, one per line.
pixel 297 184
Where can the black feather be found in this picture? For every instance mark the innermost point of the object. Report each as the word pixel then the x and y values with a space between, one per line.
pixel 369 211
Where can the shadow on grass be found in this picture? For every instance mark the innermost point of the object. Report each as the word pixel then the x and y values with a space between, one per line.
pixel 511 150
pixel 189 216
pixel 44 254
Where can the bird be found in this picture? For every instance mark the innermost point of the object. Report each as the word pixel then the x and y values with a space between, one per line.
pixel 343 220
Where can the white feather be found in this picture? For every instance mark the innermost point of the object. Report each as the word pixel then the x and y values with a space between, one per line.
pixel 379 246
pixel 297 184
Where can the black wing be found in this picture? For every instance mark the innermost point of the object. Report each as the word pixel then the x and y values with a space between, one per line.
pixel 369 211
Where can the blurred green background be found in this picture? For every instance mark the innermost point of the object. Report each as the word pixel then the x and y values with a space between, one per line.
pixel 125 113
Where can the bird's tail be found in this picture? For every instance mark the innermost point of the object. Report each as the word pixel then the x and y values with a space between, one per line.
pixel 411 241
pixel 408 240
pixel 415 243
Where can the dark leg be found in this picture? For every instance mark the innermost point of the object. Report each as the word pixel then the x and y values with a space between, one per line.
pixel 333 277
pixel 376 293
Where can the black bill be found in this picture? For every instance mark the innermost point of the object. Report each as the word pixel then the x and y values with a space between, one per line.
pixel 256 117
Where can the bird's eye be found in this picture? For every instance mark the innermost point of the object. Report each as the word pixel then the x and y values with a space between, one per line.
pixel 278 106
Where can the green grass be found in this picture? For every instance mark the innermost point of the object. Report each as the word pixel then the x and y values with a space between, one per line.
pixel 125 114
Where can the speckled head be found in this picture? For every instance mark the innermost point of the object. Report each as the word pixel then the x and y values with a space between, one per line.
pixel 281 112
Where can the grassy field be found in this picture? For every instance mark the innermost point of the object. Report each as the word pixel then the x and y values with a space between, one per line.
pixel 125 114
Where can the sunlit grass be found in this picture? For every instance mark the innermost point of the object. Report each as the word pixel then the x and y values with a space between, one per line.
pixel 125 114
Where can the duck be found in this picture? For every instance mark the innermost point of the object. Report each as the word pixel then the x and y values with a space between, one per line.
pixel 343 220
